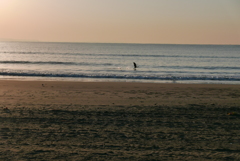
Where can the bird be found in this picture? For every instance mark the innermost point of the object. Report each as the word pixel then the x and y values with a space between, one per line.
pixel 135 65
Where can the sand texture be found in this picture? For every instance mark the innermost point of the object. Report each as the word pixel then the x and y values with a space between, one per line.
pixel 118 121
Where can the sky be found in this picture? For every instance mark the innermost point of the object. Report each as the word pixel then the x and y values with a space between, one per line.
pixel 121 21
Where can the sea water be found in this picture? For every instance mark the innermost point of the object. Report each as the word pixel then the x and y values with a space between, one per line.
pixel 114 62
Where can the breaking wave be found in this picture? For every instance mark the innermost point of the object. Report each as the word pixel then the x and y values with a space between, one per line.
pixel 114 76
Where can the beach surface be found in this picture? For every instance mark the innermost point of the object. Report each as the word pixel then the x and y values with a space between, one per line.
pixel 58 120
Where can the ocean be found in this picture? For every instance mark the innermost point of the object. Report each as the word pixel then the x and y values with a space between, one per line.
pixel 156 63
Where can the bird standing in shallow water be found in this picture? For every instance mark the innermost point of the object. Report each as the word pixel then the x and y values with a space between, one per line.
pixel 135 65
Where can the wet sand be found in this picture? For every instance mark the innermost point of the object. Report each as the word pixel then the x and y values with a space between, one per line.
pixel 118 121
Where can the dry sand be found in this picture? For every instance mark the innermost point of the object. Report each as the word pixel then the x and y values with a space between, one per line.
pixel 118 121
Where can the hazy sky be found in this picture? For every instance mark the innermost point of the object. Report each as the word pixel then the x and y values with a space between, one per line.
pixel 122 21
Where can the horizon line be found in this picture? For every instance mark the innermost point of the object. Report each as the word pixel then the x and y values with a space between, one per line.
pixel 38 41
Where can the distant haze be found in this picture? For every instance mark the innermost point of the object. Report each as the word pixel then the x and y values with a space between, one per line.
pixel 122 21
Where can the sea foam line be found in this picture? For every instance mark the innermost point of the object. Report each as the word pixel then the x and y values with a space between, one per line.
pixel 113 76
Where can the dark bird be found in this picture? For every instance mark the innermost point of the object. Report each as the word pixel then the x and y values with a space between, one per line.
pixel 135 65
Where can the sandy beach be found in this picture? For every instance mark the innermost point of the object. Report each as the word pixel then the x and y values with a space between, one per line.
pixel 48 120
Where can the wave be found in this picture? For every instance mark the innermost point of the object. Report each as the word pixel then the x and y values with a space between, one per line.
pixel 110 64
pixel 114 76
pixel 51 63
pixel 200 67
pixel 36 62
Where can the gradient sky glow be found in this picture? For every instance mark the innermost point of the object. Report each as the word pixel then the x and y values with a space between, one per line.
pixel 122 21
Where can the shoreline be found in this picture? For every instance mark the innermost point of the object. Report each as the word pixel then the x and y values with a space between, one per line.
pixel 74 79
pixel 58 120
pixel 115 80
pixel 120 93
